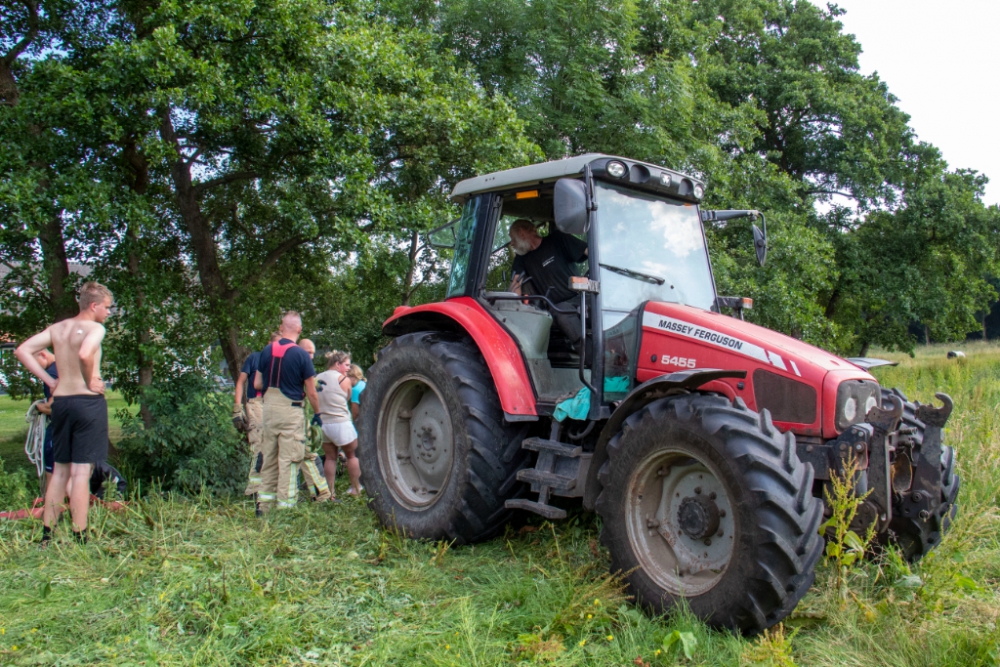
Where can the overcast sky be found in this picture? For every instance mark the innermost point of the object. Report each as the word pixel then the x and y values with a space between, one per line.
pixel 941 59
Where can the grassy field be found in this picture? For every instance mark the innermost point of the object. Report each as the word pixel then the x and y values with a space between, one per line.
pixel 199 581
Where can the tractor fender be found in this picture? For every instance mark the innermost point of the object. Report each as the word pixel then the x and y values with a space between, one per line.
pixel 463 315
pixel 681 382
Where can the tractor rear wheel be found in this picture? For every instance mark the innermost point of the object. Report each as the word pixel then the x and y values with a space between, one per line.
pixel 437 457
pixel 707 501
pixel 914 536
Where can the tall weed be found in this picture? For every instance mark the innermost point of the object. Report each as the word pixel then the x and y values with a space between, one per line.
pixel 844 547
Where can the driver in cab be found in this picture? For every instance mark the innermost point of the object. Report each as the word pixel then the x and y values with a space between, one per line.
pixel 547 262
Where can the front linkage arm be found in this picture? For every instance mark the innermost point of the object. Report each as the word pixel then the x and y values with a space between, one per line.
pixel 885 423
pixel 924 496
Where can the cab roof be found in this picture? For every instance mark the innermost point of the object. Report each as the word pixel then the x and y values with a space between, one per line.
pixel 546 172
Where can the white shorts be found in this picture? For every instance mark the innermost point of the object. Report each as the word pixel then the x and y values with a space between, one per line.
pixel 340 434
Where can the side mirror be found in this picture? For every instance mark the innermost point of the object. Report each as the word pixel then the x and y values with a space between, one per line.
pixel 570 206
pixel 759 244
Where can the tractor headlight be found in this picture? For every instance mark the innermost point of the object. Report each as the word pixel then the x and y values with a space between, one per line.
pixel 854 399
pixel 850 409
pixel 617 169
pixel 699 192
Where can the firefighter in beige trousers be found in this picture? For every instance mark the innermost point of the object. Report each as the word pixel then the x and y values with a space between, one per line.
pixel 255 436
pixel 315 481
pixel 248 416
pixel 286 375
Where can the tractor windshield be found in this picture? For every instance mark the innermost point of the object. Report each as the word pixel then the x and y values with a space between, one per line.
pixel 651 249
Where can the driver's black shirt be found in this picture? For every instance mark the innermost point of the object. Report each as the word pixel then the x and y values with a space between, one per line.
pixel 550 265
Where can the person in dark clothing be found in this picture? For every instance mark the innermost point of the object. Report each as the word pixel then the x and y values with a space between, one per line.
pixel 106 477
pixel 48 362
pixel 248 416
pixel 548 263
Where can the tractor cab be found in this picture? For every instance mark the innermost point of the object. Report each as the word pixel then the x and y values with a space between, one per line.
pixel 643 232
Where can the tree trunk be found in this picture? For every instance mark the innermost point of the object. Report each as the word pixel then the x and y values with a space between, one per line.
pixel 50 236
pixel 411 270
pixel 221 298
pixel 831 305
pixel 9 93
pixel 985 337
pixel 927 335
pixel 56 266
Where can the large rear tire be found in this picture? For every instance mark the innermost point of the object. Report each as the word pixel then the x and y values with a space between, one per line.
pixel 707 501
pixel 914 536
pixel 437 457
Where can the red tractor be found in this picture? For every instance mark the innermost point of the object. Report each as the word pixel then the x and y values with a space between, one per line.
pixel 704 442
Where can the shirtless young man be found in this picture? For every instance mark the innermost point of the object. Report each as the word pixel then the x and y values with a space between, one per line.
pixel 79 411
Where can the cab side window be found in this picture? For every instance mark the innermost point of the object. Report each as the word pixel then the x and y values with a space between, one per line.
pixel 463 247
pixel 501 257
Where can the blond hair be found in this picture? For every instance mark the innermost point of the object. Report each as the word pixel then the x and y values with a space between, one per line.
pixel 336 357
pixel 356 373
pixel 93 292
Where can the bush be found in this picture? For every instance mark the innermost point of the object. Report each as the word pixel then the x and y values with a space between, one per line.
pixel 14 493
pixel 191 445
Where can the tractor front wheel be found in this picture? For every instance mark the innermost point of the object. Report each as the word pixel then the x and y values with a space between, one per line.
pixel 706 500
pixel 437 458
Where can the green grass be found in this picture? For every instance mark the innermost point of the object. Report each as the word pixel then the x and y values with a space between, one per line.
pixel 14 430
pixel 199 581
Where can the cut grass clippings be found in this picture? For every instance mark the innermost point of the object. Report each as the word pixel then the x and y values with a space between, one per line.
pixel 200 581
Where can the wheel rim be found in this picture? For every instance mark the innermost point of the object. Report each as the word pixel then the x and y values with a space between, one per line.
pixel 680 522
pixel 415 443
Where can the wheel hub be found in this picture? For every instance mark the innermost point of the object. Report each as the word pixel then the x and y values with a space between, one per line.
pixel 423 438
pixel 681 522
pixel 698 517
pixel 415 443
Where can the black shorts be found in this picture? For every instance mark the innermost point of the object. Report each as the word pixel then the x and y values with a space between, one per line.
pixel 80 429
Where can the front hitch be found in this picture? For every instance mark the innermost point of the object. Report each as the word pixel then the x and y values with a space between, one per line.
pixel 885 424
pixel 924 496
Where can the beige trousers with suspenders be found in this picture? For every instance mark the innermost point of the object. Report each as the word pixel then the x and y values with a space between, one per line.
pixel 283 446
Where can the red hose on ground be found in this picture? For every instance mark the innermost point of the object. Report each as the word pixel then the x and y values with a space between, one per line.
pixel 36 509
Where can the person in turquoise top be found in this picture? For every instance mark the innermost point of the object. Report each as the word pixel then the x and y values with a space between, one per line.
pixel 358 380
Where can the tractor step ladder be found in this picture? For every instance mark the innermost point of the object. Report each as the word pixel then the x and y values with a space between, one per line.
pixel 544 479
pixel 560 448
pixel 535 476
pixel 548 511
